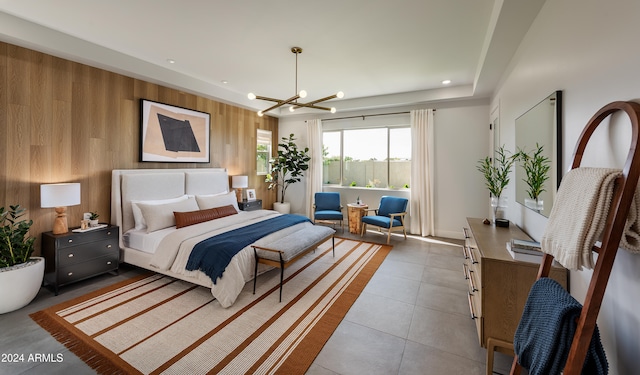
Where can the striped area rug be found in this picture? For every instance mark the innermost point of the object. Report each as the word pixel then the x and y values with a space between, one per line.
pixel 160 325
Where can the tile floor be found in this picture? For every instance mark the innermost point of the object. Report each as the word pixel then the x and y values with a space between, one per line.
pixel 412 318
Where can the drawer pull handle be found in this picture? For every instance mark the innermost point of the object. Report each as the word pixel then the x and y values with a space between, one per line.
pixel 473 258
pixel 70 240
pixel 464 252
pixel 109 262
pixel 109 233
pixel 70 274
pixel 466 234
pixel 109 246
pixel 70 255
pixel 473 313
pixel 472 284
pixel 465 270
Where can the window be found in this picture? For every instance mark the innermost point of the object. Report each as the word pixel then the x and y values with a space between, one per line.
pixel 372 157
pixel 263 151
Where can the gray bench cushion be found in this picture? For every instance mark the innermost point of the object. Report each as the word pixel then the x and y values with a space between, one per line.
pixel 295 243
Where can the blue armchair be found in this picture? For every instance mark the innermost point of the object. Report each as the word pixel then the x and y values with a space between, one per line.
pixel 390 215
pixel 327 208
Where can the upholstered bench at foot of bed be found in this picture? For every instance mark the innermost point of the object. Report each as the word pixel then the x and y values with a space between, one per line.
pixel 285 251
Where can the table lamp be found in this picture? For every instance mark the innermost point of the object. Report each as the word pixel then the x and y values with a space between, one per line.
pixel 60 196
pixel 240 182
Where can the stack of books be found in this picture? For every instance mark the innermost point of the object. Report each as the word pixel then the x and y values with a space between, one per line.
pixel 524 250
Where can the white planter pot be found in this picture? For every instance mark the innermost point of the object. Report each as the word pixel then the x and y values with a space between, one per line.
pixel 20 284
pixel 283 208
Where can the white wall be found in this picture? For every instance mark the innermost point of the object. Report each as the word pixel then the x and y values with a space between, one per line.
pixel 589 50
pixel 461 139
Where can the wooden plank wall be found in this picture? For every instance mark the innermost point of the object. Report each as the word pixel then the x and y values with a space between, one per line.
pixel 62 121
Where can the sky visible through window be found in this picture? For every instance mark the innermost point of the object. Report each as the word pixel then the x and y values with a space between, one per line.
pixel 366 144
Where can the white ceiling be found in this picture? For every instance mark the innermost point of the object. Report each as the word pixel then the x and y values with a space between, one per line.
pixel 378 52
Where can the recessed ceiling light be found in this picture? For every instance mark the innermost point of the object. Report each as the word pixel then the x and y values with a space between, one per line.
pixel 171 61
pixel 446 82
pixel 224 81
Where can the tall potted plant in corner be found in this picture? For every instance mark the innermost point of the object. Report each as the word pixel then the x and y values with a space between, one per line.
pixel 497 177
pixel 536 167
pixel 20 274
pixel 286 169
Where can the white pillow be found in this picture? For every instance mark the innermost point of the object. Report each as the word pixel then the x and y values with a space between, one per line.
pixel 160 216
pixel 218 200
pixel 138 218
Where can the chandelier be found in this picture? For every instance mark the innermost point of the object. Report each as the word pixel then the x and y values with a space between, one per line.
pixel 293 101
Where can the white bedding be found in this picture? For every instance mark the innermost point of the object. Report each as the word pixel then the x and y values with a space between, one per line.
pixel 139 239
pixel 174 249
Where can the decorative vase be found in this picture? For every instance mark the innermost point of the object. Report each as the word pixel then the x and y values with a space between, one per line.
pixel 20 284
pixel 534 204
pixel 498 206
pixel 283 208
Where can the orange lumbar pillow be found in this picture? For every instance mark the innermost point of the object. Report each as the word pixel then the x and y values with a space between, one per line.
pixel 184 219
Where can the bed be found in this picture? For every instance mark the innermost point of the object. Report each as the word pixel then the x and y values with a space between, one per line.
pixel 142 206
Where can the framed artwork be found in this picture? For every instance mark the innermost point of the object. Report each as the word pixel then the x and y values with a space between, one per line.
pixel 251 194
pixel 173 134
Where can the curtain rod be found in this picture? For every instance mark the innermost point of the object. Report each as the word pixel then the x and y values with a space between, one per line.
pixel 364 116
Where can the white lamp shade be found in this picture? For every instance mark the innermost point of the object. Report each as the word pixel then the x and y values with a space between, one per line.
pixel 59 195
pixel 239 181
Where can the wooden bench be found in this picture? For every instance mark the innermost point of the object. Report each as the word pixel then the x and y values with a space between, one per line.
pixel 283 252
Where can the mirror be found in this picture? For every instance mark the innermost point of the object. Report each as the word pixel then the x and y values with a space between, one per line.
pixel 541 125
pixel 263 151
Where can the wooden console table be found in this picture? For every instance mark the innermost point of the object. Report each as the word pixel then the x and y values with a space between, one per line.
pixel 498 284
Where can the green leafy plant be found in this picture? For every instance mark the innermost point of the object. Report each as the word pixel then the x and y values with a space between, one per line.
pixel 536 167
pixel 353 183
pixel 497 174
pixel 288 166
pixel 93 215
pixel 16 246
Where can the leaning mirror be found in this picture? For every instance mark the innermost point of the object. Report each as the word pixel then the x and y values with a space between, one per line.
pixel 263 151
pixel 540 128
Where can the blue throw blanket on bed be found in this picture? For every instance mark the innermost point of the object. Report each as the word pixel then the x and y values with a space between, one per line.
pixel 212 256
pixel 545 333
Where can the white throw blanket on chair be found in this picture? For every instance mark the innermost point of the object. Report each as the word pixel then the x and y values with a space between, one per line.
pixel 579 214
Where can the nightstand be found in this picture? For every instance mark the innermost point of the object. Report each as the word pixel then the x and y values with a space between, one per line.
pixel 250 205
pixel 73 256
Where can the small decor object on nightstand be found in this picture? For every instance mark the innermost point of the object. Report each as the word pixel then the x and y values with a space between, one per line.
pixel 93 219
pixel 251 195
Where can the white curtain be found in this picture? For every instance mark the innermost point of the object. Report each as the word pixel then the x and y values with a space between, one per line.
pixel 314 174
pixel 422 144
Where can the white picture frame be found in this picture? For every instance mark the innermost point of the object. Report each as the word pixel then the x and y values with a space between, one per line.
pixel 251 194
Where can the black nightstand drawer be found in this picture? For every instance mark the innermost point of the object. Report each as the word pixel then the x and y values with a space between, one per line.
pixel 87 251
pixel 90 268
pixel 250 205
pixel 75 239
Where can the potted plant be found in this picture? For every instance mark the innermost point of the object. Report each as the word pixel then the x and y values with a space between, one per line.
pixel 93 219
pixel 497 177
pixel 536 167
pixel 286 169
pixel 20 274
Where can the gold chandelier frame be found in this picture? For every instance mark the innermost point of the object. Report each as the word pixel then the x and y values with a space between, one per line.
pixel 293 101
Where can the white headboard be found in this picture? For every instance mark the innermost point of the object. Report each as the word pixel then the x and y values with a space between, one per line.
pixel 149 184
